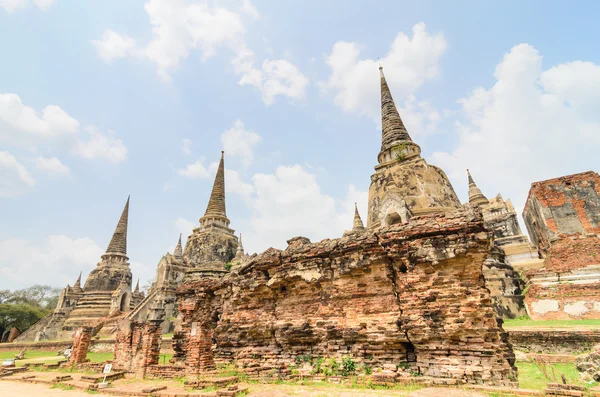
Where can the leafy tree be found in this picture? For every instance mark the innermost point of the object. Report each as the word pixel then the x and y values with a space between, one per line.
pixel 18 315
pixel 41 296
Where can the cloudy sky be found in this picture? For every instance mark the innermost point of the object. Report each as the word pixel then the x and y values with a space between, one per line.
pixel 101 99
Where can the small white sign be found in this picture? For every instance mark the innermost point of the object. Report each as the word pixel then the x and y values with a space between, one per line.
pixel 107 369
pixel 194 327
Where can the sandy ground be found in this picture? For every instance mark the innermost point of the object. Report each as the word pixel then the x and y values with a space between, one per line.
pixel 20 389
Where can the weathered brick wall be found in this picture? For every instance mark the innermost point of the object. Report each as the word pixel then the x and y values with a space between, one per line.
pixel 563 206
pixel 81 344
pixel 554 341
pixel 137 346
pixel 411 294
pixel 564 301
pixel 165 371
pixel 563 219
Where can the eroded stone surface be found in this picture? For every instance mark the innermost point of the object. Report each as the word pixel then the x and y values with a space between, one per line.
pixel 409 294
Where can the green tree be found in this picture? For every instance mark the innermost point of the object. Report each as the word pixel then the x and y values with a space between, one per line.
pixel 41 296
pixel 18 315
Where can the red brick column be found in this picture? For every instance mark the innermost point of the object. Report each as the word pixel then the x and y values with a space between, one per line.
pixel 149 352
pixel 81 343
pixel 199 355
pixel 137 346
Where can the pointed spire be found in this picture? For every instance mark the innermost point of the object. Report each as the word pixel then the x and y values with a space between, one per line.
pixel 77 284
pixel 118 243
pixel 137 287
pixel 393 130
pixel 178 253
pixel 240 248
pixel 475 196
pixel 216 203
pixel 471 181
pixel 358 223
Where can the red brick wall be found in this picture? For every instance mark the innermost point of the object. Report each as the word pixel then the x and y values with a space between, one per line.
pixel 411 294
pixel 81 343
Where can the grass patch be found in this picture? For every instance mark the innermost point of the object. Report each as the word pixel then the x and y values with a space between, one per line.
pixel 526 322
pixel 62 386
pixel 531 377
pixel 100 357
pixel 30 354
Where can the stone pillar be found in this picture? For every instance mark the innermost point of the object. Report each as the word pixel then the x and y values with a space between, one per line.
pixel 127 342
pixel 199 355
pixel 149 353
pixel 81 343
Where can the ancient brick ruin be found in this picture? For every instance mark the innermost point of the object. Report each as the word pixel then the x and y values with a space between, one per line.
pixel 107 293
pixel 563 219
pixel 407 295
pixel 419 291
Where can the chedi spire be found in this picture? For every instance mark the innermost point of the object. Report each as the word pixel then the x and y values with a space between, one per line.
pixel 239 252
pixel 475 196
pixel 216 203
pixel 118 243
pixel 396 144
pixel 358 223
pixel 215 211
pixel 178 253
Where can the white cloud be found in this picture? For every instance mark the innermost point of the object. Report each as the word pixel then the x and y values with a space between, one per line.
pixel 178 28
pixel 101 146
pixel 113 45
pixel 22 125
pixel 11 6
pixel 409 63
pixel 235 184
pixel 184 226
pixel 186 146
pixel 276 77
pixel 195 170
pixel 52 166
pixel 290 203
pixel 56 260
pixel 248 8
pixel 238 141
pixel 530 125
pixel 14 177
pixel 44 4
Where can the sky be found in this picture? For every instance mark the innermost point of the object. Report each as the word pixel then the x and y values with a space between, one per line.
pixel 101 99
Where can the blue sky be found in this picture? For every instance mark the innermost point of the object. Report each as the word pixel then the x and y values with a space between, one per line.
pixel 102 99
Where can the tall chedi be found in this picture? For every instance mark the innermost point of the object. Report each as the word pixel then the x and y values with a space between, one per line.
pixel 107 289
pixel 213 244
pixel 113 268
pixel 475 196
pixel 404 185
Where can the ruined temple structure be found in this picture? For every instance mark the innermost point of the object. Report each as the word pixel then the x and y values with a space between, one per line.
pixel 106 292
pixel 512 251
pixel 405 294
pixel 213 244
pixel 404 185
pixel 562 216
pixel 211 250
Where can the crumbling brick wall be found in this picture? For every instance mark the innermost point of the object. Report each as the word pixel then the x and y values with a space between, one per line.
pixel 563 206
pixel 408 295
pixel 563 219
pixel 81 344
pixel 137 346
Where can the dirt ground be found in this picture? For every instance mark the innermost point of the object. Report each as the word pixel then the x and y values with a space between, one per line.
pixel 20 389
pixel 10 389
